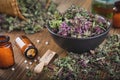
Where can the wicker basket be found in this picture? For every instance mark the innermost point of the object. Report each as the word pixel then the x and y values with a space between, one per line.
pixel 10 7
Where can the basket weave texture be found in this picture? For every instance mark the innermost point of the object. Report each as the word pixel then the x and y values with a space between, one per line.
pixel 10 7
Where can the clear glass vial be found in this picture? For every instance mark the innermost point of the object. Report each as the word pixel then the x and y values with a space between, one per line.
pixel 26 46
pixel 6 52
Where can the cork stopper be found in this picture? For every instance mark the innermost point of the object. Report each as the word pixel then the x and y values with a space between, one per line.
pixel 44 61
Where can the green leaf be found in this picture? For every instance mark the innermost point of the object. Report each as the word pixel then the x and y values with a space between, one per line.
pixel 55 23
pixel 117 59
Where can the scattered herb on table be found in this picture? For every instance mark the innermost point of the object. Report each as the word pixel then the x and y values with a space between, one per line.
pixel 78 23
pixel 103 63
pixel 35 13
pixel 29 73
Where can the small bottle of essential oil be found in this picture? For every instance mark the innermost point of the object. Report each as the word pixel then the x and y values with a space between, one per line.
pixel 6 52
pixel 26 46
pixel 116 15
pixel 103 7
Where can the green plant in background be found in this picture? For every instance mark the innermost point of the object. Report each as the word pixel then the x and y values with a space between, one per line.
pixel 35 13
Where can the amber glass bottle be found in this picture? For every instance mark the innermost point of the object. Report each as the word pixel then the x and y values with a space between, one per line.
pixel 6 52
pixel 116 15
pixel 26 46
pixel 103 7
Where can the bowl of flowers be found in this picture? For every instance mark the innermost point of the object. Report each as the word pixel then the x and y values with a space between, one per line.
pixel 78 30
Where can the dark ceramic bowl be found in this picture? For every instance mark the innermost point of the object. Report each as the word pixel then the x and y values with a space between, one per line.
pixel 78 45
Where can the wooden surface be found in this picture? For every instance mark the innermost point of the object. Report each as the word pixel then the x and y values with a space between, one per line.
pixel 43 36
pixel 20 66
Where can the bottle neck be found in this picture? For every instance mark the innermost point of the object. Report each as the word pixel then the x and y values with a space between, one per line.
pixel 117 6
pixel 4 40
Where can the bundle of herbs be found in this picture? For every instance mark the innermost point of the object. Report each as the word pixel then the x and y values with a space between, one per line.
pixel 35 13
pixel 79 23
pixel 103 63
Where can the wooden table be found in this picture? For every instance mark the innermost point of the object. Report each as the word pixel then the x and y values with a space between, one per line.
pixel 20 67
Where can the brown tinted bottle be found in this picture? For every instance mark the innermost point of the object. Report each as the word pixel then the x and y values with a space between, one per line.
pixel 6 52
pixel 116 15
pixel 26 46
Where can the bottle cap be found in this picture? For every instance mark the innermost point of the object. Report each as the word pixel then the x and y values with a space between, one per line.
pixel 31 52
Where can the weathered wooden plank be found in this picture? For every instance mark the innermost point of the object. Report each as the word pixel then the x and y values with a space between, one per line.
pixel 20 70
pixel 43 36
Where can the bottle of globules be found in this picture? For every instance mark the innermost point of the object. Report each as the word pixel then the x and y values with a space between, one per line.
pixel 26 46
pixel 116 15
pixel 6 52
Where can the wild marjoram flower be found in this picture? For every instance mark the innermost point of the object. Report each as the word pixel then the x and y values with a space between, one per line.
pixel 104 64
pixel 81 24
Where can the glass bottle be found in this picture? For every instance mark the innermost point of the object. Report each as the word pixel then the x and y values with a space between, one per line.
pixel 116 15
pixel 26 47
pixel 6 52
pixel 103 7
